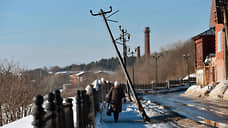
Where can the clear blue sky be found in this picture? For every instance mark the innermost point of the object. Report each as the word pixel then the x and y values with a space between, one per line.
pixel 37 33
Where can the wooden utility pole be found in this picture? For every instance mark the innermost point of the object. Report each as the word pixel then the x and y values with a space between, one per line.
pixel 139 105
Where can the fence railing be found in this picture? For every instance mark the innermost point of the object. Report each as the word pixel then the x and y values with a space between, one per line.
pixel 57 114
pixel 164 85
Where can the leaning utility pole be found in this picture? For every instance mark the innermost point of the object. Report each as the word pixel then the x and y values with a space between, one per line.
pixel 139 105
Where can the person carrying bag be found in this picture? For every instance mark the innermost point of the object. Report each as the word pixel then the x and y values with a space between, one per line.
pixel 114 99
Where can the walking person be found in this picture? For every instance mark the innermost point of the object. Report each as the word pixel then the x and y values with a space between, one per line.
pixel 114 98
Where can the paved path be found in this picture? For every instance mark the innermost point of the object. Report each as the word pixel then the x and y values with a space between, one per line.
pixel 200 110
pixel 160 118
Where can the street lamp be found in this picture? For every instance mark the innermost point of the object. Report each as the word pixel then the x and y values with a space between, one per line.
pixel 156 56
pixel 186 57
pixel 132 54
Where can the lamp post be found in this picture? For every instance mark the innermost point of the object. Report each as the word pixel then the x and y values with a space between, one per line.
pixel 186 57
pixel 156 56
pixel 133 72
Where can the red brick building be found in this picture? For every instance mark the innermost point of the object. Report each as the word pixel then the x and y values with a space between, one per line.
pixel 212 41
pixel 220 37
pixel 204 45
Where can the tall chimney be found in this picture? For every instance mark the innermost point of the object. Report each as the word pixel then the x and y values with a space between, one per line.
pixel 147 42
pixel 138 52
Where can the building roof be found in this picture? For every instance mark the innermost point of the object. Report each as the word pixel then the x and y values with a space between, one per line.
pixel 220 5
pixel 209 32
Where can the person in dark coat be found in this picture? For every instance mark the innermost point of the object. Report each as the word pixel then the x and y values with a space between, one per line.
pixel 115 97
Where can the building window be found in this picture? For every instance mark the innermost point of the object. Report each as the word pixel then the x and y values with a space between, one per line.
pixel 219 38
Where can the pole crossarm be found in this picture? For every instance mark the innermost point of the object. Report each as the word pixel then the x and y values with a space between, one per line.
pixel 102 12
pixel 139 105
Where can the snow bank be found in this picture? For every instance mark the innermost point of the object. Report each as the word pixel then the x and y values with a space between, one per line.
pixel 25 122
pixel 197 91
pixel 219 90
pixel 225 96
pixel 211 91
pixel 194 90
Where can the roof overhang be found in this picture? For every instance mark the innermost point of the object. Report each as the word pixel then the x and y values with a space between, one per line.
pixel 209 32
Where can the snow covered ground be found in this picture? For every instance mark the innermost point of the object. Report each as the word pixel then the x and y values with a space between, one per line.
pixel 161 117
pixel 129 117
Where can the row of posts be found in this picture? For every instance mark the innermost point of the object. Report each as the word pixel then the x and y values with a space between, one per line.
pixel 57 114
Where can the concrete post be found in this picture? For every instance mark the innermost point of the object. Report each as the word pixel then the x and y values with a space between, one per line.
pixel 87 109
pixel 0 114
pixel 78 109
pixel 68 111
pixel 168 84
pixel 92 99
pixel 38 112
pixel 60 118
pixel 83 93
pixel 50 117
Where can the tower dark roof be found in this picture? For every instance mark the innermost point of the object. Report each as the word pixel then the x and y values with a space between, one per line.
pixel 213 17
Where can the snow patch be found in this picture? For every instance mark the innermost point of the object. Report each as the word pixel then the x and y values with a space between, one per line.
pixel 219 90
pixel 194 90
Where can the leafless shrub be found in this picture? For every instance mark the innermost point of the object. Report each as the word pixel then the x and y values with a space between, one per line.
pixel 17 88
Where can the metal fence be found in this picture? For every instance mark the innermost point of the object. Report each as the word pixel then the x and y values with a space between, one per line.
pixel 165 85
